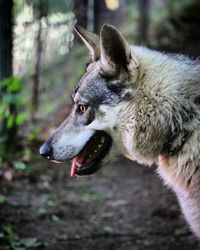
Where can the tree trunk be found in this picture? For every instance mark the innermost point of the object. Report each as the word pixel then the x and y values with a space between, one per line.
pixel 93 11
pixel 96 15
pixel 40 10
pixel 6 38
pixel 36 75
pixel 90 15
pixel 143 25
pixel 6 69
pixel 80 11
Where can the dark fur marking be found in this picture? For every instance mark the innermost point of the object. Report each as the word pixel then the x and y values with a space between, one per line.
pixel 197 100
pixel 143 76
pixel 168 146
pixel 116 88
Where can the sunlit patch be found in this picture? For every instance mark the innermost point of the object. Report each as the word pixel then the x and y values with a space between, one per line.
pixel 112 4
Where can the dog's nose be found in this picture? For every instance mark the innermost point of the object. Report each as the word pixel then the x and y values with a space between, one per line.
pixel 46 151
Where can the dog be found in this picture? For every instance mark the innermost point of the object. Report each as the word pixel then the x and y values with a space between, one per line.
pixel 139 103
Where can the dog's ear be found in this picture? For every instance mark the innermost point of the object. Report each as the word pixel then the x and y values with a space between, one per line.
pixel 91 40
pixel 115 51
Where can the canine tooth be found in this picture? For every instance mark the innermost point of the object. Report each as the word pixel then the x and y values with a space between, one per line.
pixel 78 164
pixel 102 139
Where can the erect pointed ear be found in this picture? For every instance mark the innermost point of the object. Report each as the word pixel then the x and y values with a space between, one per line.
pixel 91 40
pixel 115 51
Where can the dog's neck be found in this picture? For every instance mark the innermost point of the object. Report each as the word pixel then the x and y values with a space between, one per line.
pixel 171 148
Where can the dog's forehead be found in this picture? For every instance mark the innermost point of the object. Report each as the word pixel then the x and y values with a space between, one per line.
pixel 90 76
pixel 90 72
pixel 92 86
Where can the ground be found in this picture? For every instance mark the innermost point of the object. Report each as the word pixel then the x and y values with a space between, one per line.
pixel 123 206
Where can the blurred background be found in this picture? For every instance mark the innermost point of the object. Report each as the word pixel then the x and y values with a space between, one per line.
pixel 123 206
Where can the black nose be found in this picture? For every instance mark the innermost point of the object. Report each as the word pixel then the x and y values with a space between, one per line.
pixel 46 151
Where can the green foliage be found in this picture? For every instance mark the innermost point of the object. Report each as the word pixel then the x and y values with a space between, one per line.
pixel 55 218
pixel 2 199
pixel 53 6
pixel 11 99
pixel 20 165
pixel 17 242
pixel 59 6
pixel 33 134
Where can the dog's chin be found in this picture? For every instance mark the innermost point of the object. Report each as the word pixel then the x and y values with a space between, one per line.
pixel 91 157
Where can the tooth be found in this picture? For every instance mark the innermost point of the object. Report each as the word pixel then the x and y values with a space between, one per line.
pixel 78 164
pixel 102 139
pixel 90 156
pixel 99 145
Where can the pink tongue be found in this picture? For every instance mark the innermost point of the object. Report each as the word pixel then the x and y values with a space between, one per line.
pixel 79 159
pixel 73 167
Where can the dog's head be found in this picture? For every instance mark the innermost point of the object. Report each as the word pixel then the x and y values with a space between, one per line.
pixel 91 135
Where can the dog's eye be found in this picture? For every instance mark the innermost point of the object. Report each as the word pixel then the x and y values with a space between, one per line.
pixel 82 108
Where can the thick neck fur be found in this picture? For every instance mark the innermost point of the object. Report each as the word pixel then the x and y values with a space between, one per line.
pixel 168 99
pixel 168 90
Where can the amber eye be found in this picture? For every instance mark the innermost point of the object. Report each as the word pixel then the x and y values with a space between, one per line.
pixel 82 108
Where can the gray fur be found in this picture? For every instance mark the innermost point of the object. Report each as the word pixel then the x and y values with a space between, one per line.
pixel 146 101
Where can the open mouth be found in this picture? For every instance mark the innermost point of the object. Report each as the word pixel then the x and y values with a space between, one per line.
pixel 88 160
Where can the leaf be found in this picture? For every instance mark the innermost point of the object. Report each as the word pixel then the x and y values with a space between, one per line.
pixel 55 218
pixel 11 83
pixel 2 139
pixel 27 154
pixel 8 98
pixel 10 121
pixel 30 242
pixel 34 133
pixel 50 203
pixel 5 83
pixel 41 212
pixel 8 230
pixel 21 118
pixel 108 229
pixel 2 109
pixel 20 165
pixel 2 199
pixel 15 85
pixel 179 231
pixel 11 99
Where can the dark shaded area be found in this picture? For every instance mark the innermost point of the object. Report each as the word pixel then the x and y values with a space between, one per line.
pixel 6 67
pixel 123 206
pixel 180 30
pixel 143 23
pixel 6 45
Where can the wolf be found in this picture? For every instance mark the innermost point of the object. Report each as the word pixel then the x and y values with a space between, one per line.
pixel 139 103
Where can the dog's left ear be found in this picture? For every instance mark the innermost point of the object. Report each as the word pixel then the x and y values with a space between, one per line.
pixel 91 40
pixel 115 51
